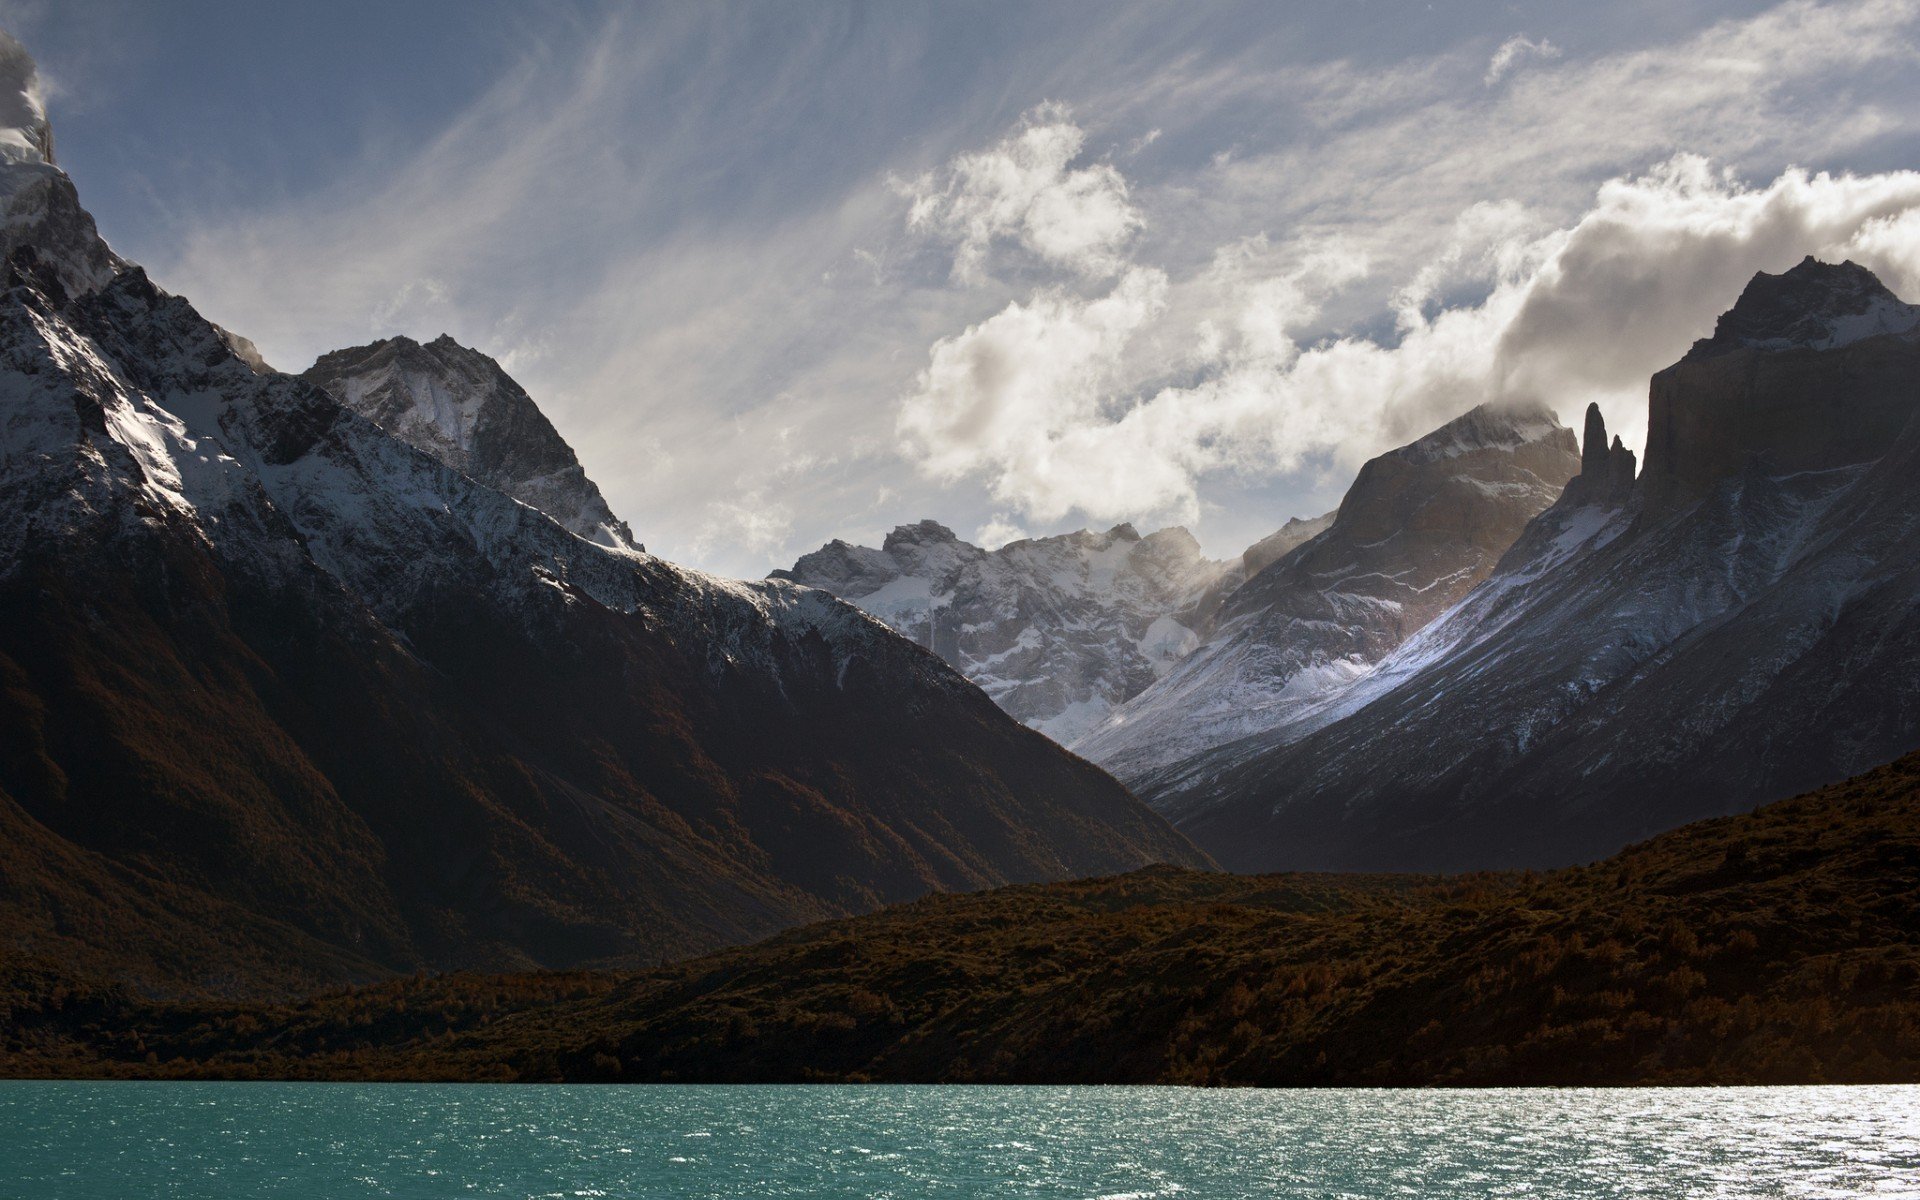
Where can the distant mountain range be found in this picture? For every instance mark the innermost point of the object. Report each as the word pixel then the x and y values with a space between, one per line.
pixel 297 689
pixel 1503 649
pixel 1058 630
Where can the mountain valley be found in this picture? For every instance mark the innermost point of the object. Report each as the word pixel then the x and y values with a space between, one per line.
pixel 289 699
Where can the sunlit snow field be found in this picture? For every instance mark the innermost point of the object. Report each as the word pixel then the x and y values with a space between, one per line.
pixel 336 1140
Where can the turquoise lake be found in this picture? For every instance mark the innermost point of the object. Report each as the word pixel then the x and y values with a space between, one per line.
pixel 120 1140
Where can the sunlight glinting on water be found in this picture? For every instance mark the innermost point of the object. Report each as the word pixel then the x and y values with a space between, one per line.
pixel 116 1140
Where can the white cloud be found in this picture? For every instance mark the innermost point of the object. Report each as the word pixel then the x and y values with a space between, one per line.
pixel 1014 398
pixel 998 531
pixel 1513 51
pixel 1044 404
pixel 1026 189
pixel 1659 257
pixel 674 292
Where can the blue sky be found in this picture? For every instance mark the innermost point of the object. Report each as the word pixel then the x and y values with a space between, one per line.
pixel 786 272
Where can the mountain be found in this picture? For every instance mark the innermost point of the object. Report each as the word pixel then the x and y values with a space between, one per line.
pixel 285 700
pixel 1057 630
pixel 1740 621
pixel 459 406
pixel 1419 527
pixel 1298 531
pixel 1773 947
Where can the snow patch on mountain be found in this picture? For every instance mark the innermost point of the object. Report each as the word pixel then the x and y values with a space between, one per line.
pixel 1736 623
pixel 1813 306
pixel 1420 526
pixel 459 406
pixel 1056 630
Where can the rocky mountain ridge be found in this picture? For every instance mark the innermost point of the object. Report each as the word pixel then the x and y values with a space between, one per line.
pixel 1736 623
pixel 1419 527
pixel 459 406
pixel 1057 630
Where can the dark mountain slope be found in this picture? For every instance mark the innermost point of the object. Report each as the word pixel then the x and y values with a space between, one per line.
pixel 1736 624
pixel 287 699
pixel 1776 947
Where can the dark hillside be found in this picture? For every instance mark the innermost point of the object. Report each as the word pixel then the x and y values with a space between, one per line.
pixel 1781 946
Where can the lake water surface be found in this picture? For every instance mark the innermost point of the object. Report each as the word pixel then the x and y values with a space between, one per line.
pixel 62 1140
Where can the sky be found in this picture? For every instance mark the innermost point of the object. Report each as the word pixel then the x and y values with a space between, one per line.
pixel 783 273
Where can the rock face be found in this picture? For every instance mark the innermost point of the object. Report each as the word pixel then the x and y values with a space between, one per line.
pixel 459 406
pixel 1276 545
pixel 1056 630
pixel 1740 623
pixel 1756 391
pixel 1420 527
pixel 285 700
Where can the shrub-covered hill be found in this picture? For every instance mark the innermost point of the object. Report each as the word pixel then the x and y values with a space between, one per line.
pixel 1779 946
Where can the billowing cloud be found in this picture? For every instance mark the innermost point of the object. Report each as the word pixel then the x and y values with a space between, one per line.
pixel 23 112
pixel 1027 190
pixel 1045 403
pixel 1017 398
pixel 1254 250
pixel 998 531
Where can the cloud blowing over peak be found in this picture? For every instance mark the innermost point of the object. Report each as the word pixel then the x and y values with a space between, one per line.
pixel 785 279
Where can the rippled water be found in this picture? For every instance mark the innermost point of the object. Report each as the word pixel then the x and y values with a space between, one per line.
pixel 338 1140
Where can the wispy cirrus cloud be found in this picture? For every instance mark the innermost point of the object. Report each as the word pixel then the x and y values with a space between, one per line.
pixel 781 280
pixel 1514 51
pixel 1485 286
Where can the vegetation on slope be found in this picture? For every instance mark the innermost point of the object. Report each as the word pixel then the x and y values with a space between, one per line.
pixel 1781 946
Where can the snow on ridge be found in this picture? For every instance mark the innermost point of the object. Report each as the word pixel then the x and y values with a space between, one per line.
pixel 1884 315
pixel 1313 624
pixel 1490 426
pixel 194 435
pixel 458 405
pixel 1057 630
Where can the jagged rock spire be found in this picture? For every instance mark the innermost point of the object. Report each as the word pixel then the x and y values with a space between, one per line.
pixel 1606 470
pixel 1593 443
pixel 1621 467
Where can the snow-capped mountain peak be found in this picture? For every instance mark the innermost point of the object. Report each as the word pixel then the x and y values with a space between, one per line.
pixel 1421 525
pixel 45 232
pixel 1057 629
pixel 350 708
pixel 1760 392
pixel 1734 624
pixel 1492 426
pixel 1815 305
pixel 458 405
